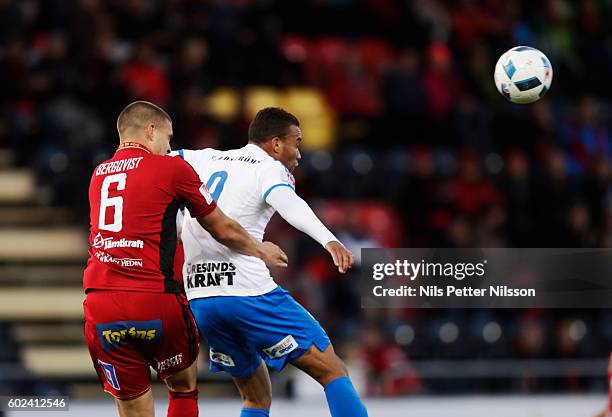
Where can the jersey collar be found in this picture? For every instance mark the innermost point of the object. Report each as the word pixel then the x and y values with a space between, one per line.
pixel 133 145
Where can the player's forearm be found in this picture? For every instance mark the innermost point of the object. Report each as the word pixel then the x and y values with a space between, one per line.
pixel 235 237
pixel 298 214
pixel 307 222
pixel 230 233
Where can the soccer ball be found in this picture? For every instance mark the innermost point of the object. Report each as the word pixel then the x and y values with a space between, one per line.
pixel 523 74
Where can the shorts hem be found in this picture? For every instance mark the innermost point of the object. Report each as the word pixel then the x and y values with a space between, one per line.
pixel 322 344
pixel 279 364
pixel 168 375
pixel 129 397
pixel 241 374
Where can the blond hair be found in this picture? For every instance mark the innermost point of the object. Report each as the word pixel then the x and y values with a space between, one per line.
pixel 137 115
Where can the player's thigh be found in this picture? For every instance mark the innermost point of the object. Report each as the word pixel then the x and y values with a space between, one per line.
pixel 176 353
pixel 185 380
pixel 122 367
pixel 323 366
pixel 229 350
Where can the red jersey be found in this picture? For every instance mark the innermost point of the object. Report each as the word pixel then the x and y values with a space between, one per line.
pixel 134 198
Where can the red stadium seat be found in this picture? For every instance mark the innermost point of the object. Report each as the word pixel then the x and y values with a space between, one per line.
pixel 376 54
pixel 328 52
pixel 376 219
pixel 382 222
pixel 295 48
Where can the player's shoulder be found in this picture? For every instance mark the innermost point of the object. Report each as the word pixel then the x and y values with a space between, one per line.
pixel 166 165
pixel 271 164
pixel 166 160
pixel 270 168
pixel 194 154
pixel 276 172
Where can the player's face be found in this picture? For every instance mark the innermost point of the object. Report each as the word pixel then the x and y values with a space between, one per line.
pixel 289 153
pixel 162 135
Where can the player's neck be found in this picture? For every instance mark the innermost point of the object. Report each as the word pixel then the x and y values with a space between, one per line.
pixel 262 147
pixel 133 144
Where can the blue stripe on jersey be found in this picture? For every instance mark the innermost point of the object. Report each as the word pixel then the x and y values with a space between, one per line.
pixel 181 153
pixel 273 187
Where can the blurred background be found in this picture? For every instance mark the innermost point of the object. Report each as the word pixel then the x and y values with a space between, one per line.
pixel 407 143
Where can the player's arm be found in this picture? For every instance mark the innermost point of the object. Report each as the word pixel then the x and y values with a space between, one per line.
pixel 231 234
pixel 299 214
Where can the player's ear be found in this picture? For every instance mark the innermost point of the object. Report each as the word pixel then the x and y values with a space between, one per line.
pixel 276 144
pixel 150 131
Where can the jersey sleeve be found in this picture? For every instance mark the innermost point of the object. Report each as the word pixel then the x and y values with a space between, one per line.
pixel 274 175
pixel 190 190
pixel 297 213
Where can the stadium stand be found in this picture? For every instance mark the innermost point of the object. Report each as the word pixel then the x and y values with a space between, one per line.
pixel 406 143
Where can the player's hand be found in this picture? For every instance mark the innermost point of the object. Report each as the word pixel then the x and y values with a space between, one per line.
pixel 272 255
pixel 343 258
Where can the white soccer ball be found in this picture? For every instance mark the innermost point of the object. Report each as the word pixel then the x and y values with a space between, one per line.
pixel 523 74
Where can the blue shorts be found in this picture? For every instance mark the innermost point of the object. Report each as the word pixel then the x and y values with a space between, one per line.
pixel 242 330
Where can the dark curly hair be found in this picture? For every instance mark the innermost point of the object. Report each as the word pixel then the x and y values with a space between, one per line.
pixel 271 122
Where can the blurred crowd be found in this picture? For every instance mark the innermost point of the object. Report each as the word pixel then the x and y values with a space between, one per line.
pixel 410 143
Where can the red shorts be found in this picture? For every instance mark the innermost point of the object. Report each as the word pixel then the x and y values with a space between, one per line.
pixel 127 332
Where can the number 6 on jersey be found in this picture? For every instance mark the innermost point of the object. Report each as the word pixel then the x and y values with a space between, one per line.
pixel 115 202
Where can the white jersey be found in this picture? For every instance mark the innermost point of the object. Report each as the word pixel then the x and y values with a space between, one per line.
pixel 239 180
